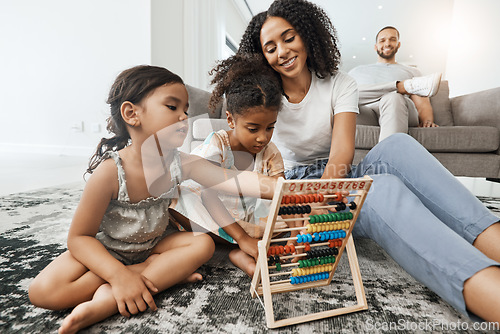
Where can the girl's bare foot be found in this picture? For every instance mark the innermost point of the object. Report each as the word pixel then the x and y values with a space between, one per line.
pixel 243 261
pixel 193 278
pixel 102 306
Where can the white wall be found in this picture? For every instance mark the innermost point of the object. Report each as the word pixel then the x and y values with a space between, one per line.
pixel 188 36
pixel 167 16
pixel 57 62
pixel 473 62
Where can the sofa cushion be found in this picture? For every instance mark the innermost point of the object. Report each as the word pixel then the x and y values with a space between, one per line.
pixel 366 116
pixel 441 105
pixel 198 103
pixel 203 127
pixel 456 139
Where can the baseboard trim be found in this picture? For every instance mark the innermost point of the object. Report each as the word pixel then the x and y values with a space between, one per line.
pixel 47 149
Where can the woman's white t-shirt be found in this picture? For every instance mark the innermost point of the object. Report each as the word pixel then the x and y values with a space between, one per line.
pixel 303 130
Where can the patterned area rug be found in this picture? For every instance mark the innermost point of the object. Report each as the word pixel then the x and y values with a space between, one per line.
pixel 33 231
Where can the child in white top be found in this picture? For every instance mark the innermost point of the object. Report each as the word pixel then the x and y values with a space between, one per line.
pixel 253 97
pixel 120 251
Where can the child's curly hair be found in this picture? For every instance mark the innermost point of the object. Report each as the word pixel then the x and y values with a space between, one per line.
pixel 311 23
pixel 246 81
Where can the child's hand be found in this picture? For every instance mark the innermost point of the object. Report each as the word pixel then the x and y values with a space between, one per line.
pixel 132 292
pixel 249 246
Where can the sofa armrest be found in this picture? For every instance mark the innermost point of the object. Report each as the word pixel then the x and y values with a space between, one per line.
pixel 480 108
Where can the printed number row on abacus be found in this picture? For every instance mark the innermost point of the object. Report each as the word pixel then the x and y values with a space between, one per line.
pixel 315 186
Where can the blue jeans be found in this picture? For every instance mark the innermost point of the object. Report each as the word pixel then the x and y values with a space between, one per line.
pixel 420 214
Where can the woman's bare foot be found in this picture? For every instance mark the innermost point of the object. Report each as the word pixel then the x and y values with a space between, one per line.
pixel 102 306
pixel 243 261
pixel 193 278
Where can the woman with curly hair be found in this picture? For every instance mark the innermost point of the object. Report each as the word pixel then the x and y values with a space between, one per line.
pixel 416 210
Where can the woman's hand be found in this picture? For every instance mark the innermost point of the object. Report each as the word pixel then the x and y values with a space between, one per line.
pixel 132 292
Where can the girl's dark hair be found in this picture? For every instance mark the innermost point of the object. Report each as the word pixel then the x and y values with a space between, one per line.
pixel 313 26
pixel 247 82
pixel 132 85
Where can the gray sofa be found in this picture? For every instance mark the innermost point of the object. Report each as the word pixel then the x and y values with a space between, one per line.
pixel 467 142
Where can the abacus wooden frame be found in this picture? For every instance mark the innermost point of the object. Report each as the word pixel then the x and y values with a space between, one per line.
pixel 261 284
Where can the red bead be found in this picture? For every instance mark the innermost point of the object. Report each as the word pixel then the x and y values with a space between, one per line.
pixel 307 247
pixel 271 250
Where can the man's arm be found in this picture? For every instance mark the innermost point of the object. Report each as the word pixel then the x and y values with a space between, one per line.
pixel 425 112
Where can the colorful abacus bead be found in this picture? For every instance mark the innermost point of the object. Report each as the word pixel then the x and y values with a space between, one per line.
pixel 309 278
pixel 295 209
pixel 299 199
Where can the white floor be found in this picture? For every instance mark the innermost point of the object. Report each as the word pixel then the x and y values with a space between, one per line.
pixel 24 172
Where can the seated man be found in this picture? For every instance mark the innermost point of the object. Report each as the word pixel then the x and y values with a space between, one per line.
pixel 396 94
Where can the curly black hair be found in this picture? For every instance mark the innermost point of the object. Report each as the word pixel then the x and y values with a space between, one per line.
pixel 311 23
pixel 246 81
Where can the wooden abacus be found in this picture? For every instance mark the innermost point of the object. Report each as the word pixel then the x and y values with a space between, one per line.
pixel 323 241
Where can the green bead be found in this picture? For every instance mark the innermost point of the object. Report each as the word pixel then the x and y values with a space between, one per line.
pixel 278 266
pixel 301 264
